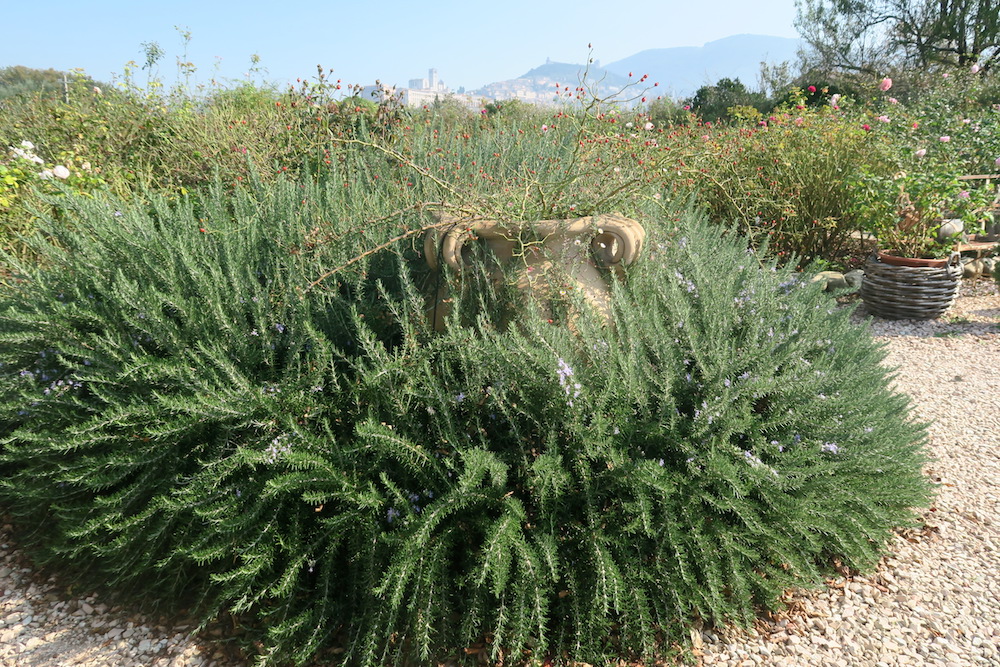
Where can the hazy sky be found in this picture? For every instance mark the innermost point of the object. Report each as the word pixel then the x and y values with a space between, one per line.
pixel 470 43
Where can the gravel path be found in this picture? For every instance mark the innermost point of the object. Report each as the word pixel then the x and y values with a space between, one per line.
pixel 935 600
pixel 44 625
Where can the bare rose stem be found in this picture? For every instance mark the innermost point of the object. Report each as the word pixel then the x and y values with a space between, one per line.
pixel 402 237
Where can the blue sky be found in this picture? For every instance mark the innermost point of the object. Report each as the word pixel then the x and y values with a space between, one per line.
pixel 470 43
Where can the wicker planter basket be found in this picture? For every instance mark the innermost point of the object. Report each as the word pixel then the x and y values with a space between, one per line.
pixel 910 292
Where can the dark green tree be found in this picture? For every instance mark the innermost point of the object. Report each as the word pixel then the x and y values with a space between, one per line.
pixel 18 79
pixel 666 111
pixel 28 82
pixel 714 102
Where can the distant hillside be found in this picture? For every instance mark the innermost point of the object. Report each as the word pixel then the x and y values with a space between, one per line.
pixel 682 70
pixel 568 74
pixel 538 85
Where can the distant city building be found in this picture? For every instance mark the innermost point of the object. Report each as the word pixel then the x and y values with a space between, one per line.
pixel 541 92
pixel 419 92
pixel 431 84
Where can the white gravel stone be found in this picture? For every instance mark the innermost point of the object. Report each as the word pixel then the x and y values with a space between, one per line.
pixel 941 603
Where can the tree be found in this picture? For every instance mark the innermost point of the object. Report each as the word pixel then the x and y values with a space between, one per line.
pixel 875 36
pixel 20 80
pixel 713 102
pixel 665 111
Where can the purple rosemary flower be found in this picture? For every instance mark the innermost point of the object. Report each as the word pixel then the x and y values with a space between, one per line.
pixel 572 389
pixel 277 448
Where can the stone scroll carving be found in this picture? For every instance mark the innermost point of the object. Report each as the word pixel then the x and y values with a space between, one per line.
pixel 578 253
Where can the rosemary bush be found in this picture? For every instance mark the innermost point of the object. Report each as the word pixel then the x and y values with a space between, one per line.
pixel 182 412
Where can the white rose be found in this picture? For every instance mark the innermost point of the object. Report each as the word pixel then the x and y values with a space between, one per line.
pixel 60 171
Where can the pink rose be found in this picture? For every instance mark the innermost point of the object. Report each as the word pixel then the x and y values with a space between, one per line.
pixel 945 139
pixel 885 85
pixel 920 153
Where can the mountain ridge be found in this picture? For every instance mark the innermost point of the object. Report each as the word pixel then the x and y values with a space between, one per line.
pixel 680 70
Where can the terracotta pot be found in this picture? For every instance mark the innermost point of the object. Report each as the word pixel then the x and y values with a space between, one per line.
pixel 886 258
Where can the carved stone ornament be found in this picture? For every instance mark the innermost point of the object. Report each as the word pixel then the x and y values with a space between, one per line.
pixel 572 254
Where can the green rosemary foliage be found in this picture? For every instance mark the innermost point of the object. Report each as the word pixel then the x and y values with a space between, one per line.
pixel 181 413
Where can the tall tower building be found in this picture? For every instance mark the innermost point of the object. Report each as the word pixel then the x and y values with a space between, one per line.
pixel 432 78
